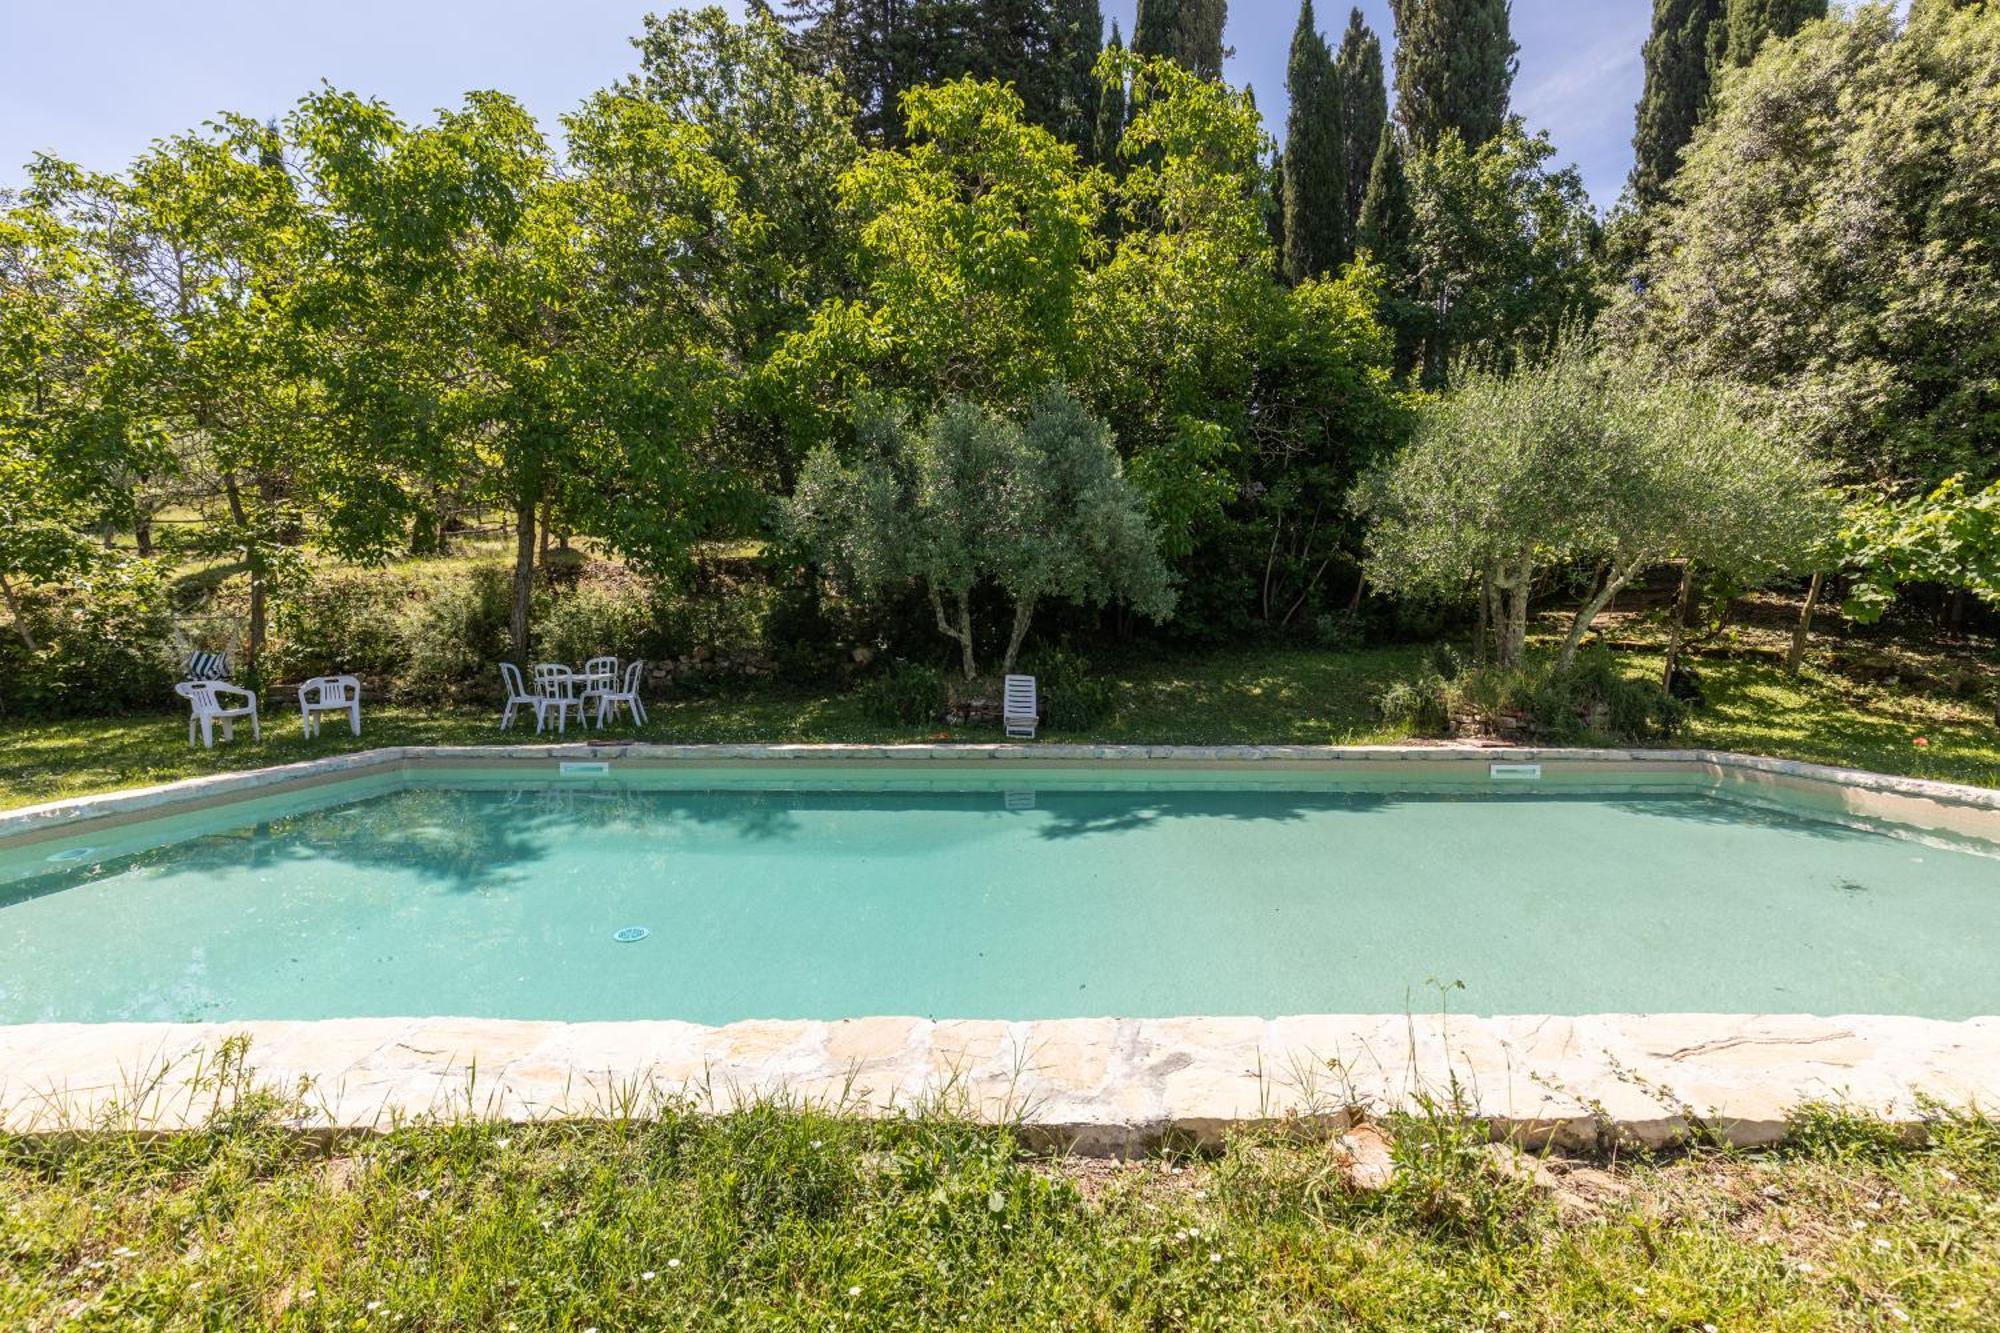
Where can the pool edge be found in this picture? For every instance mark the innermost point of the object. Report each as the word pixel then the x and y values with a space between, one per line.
pixel 1931 806
pixel 1095 1086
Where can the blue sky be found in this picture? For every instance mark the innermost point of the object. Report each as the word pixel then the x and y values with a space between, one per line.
pixel 95 80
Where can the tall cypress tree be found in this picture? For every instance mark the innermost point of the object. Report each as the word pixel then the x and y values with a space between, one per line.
pixel 1454 68
pixel 1315 183
pixel 1076 33
pixel 1388 224
pixel 1186 31
pixel 1110 112
pixel 1749 23
pixel 1677 84
pixel 1364 101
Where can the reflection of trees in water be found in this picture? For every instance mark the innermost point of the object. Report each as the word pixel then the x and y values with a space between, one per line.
pixel 469 839
pixel 1080 814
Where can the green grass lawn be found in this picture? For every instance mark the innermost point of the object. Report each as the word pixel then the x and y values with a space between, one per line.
pixel 1263 695
pixel 787 1217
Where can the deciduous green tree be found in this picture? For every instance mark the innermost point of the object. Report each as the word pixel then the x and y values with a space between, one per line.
pixel 1949 535
pixel 975 239
pixel 1829 250
pixel 1502 251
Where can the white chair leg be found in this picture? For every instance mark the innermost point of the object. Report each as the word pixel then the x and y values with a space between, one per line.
pixel 256 729
pixel 354 719
pixel 208 733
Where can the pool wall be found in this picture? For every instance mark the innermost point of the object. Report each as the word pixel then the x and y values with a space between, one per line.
pixel 1091 1085
pixel 1939 808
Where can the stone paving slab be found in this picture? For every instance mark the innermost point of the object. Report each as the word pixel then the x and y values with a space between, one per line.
pixel 1089 1085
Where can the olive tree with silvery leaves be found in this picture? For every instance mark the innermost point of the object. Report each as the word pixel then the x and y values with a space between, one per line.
pixel 1585 459
pixel 1041 509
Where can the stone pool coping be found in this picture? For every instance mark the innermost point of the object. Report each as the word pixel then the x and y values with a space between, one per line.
pixel 1921 802
pixel 1093 1085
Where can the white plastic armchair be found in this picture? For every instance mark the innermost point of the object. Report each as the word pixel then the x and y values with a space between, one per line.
pixel 330 694
pixel 557 686
pixel 608 700
pixel 518 696
pixel 209 702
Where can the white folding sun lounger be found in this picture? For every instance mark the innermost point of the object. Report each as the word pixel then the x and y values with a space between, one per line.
pixel 1019 710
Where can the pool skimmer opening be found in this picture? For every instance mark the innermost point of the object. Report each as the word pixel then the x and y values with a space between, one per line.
pixel 631 934
pixel 74 854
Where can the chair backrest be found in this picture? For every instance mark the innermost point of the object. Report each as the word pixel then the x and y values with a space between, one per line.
pixel 208 666
pixel 633 670
pixel 607 667
pixel 200 694
pixel 330 691
pixel 510 680
pixel 1020 697
pixel 553 678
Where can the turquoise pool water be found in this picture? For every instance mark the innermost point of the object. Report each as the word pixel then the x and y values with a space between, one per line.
pixel 502 899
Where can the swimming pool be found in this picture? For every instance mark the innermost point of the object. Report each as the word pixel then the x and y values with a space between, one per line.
pixel 713 896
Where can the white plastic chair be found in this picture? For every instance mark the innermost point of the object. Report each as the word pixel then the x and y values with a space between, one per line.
pixel 609 699
pixel 209 708
pixel 330 694
pixel 1019 708
pixel 518 696
pixel 599 674
pixel 556 684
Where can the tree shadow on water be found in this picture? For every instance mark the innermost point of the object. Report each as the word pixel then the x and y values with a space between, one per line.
pixel 1078 815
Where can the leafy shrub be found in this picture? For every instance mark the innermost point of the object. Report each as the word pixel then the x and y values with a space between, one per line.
pixel 1592 701
pixel 339 621
pixel 1072 696
pixel 1419 707
pixel 104 644
pixel 908 694
pixel 610 613
pixel 451 636
pixel 1341 631
pixel 802 643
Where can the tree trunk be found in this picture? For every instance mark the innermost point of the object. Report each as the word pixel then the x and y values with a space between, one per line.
pixel 1023 611
pixel 253 655
pixel 253 557
pixel 965 634
pixel 545 531
pixel 21 630
pixel 1677 630
pixel 1360 587
pixel 142 535
pixel 1511 590
pixel 961 632
pixel 1798 652
pixel 1479 624
pixel 1588 611
pixel 524 578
